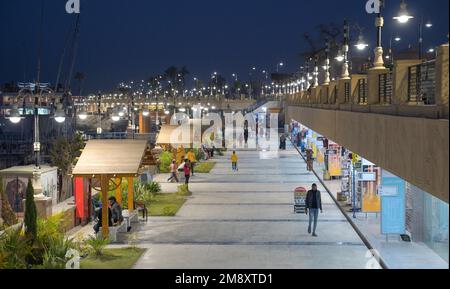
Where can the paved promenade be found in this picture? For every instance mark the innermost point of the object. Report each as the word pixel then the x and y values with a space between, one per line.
pixel 245 219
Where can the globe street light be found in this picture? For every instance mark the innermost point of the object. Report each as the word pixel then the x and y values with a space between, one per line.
pixel 361 44
pixel 82 114
pixel 403 15
pixel 14 116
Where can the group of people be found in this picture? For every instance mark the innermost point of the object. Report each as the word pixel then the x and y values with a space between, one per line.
pixel 187 167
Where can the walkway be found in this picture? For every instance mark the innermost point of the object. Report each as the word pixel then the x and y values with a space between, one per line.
pixel 245 220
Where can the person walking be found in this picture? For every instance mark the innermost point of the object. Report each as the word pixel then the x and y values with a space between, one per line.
pixel 173 171
pixel 234 161
pixel 313 205
pixel 187 171
pixel 309 160
pixel 192 160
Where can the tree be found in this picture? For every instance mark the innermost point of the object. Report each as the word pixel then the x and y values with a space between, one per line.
pixel 63 154
pixel 30 219
pixel 8 216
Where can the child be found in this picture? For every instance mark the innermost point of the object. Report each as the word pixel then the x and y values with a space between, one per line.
pixel 234 160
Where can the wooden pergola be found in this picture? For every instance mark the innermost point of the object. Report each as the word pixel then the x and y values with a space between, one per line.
pixel 110 161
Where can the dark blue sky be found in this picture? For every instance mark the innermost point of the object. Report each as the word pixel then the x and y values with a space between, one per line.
pixel 134 39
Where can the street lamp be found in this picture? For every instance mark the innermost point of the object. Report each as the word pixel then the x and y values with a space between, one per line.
pixel 280 64
pixel 14 116
pixel 82 114
pixel 115 116
pixel 403 15
pixel 379 23
pixel 361 44
pixel 60 115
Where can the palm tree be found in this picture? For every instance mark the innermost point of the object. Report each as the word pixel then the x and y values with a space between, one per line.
pixel 79 77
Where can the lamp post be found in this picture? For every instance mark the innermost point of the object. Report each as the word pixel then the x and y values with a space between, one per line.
pixel 279 64
pixel 15 118
pixel 327 63
pixel 403 17
pixel 379 23
pixel 316 71
pixel 345 50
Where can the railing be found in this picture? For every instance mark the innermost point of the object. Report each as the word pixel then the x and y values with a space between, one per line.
pixel 421 83
pixel 347 92
pixel 108 135
pixel 385 88
pixel 362 91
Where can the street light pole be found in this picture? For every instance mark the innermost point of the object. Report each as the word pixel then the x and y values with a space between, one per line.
pixel 379 23
pixel 327 63
pixel 345 50
pixel 37 144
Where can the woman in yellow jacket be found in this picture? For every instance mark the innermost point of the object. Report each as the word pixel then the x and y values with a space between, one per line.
pixel 234 161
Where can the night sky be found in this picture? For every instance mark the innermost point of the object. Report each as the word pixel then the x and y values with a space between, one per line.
pixel 131 40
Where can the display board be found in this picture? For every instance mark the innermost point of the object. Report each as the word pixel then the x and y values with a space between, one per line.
pixel 392 191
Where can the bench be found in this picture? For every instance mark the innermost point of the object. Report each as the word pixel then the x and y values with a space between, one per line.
pixel 122 228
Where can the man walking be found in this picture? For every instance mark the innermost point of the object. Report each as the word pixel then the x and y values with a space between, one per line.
pixel 173 171
pixel 313 205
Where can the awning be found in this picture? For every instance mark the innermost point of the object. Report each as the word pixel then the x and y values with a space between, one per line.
pixel 118 158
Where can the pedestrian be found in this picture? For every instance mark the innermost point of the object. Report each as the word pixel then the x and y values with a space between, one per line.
pixel 309 160
pixel 313 205
pixel 234 161
pixel 187 171
pixel 173 171
pixel 283 142
pixel 192 160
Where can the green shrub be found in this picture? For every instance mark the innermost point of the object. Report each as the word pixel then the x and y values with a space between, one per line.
pixel 30 219
pixel 183 190
pixel 153 187
pixel 97 245
pixel 14 250
pixel 165 159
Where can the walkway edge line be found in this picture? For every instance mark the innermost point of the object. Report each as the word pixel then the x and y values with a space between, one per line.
pixel 355 227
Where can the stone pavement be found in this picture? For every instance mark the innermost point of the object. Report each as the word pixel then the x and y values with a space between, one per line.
pixel 246 220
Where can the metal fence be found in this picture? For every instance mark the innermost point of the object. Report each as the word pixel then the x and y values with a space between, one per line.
pixel 422 83
pixel 347 92
pixel 362 91
pixel 385 88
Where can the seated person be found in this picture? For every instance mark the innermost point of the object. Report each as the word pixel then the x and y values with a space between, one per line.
pixel 98 216
pixel 116 211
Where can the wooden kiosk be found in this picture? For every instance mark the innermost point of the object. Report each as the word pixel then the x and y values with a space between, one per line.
pixel 108 162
